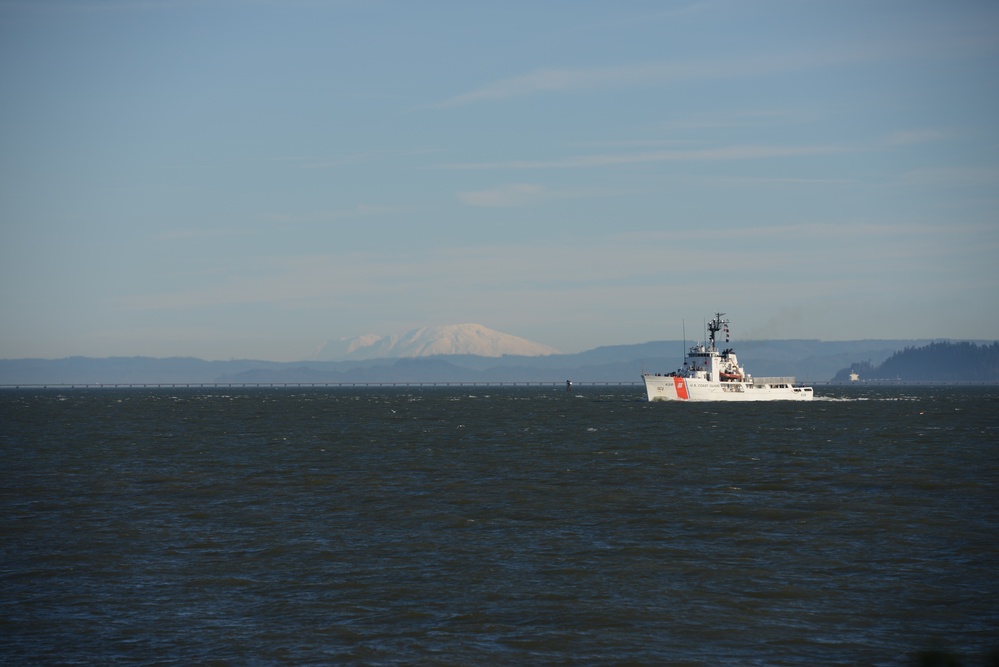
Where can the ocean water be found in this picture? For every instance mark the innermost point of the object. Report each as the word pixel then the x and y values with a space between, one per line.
pixel 496 526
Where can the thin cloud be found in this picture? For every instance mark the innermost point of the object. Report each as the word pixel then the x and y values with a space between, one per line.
pixel 773 180
pixel 951 41
pixel 552 80
pixel 358 211
pixel 351 159
pixel 951 176
pixel 691 9
pixel 714 154
pixel 805 233
pixel 745 118
pixel 517 194
pixel 723 153
pixel 342 161
pixel 615 264
pixel 909 137
pixel 202 234
pixel 107 6
pixel 636 143
pixel 556 80
pixel 526 194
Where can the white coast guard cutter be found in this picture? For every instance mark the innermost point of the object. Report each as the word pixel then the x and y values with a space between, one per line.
pixel 710 375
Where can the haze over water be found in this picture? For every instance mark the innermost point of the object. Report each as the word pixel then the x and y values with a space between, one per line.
pixel 504 526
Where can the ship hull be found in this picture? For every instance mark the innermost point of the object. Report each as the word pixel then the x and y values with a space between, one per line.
pixel 667 388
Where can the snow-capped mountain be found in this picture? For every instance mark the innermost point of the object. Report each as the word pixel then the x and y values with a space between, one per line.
pixel 428 341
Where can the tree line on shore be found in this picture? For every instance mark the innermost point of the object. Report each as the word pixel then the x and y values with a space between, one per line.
pixel 936 362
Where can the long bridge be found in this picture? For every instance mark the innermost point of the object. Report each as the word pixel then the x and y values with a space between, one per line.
pixel 318 385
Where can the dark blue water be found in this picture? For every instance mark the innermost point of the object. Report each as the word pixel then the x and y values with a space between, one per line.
pixel 499 526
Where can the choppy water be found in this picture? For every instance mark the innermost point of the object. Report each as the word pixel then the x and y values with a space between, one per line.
pixel 496 526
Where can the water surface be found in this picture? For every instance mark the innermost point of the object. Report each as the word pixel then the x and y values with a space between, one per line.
pixel 466 526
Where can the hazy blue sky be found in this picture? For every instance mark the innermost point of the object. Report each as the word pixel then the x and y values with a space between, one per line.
pixel 249 178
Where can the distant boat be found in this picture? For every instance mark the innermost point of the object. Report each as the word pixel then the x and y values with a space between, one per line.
pixel 710 375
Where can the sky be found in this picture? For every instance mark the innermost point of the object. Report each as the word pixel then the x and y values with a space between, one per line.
pixel 250 178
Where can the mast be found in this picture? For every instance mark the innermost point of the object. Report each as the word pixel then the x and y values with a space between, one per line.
pixel 716 325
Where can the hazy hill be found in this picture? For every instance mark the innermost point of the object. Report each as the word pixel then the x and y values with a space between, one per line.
pixel 808 360
pixel 941 361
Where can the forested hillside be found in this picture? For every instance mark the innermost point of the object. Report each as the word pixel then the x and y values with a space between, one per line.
pixel 936 362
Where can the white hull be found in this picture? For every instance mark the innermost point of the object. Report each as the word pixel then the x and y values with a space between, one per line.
pixel 667 388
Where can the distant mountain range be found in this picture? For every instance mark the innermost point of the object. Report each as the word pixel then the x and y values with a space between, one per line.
pixel 469 339
pixel 808 360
